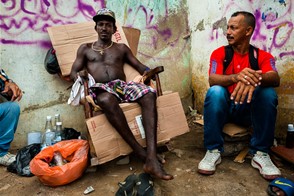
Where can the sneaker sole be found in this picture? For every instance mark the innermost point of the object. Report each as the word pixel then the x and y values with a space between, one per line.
pixel 265 176
pixel 209 172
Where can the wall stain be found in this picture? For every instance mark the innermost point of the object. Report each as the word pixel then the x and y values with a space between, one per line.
pixel 200 26
pixel 61 100
pixel 220 24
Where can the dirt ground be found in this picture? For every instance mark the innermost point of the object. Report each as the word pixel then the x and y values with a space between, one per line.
pixel 230 178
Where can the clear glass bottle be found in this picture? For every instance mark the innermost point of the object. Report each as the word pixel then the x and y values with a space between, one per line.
pixel 290 136
pixel 49 132
pixel 58 132
pixel 57 119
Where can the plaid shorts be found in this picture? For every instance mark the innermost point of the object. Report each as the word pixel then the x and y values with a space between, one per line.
pixel 124 91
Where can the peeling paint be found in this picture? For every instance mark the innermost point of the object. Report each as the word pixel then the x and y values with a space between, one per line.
pixel 200 26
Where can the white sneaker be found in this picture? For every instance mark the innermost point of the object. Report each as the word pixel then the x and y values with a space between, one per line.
pixel 208 163
pixel 264 164
pixel 7 159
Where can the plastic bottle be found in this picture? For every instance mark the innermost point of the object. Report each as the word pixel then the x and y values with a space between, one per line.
pixel 49 132
pixel 58 132
pixel 290 136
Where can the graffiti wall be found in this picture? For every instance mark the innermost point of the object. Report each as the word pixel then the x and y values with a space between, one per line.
pixel 25 41
pixel 273 33
pixel 22 18
pixel 180 35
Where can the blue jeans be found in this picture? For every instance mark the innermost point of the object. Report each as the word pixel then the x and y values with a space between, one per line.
pixel 9 115
pixel 260 114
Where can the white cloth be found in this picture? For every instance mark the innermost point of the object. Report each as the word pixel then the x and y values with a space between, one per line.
pixel 77 90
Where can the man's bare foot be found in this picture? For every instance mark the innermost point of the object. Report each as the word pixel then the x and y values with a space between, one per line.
pixel 154 168
pixel 142 155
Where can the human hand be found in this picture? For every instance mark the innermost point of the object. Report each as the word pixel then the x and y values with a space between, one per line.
pixel 139 79
pixel 250 77
pixel 242 91
pixel 13 91
pixel 83 74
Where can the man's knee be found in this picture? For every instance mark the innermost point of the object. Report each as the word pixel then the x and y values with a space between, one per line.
pixel 216 92
pixel 106 100
pixel 148 99
pixel 13 108
pixel 266 94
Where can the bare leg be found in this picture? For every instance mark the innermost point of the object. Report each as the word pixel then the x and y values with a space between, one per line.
pixel 149 116
pixel 116 117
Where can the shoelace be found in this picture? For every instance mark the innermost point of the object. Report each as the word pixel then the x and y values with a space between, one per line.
pixel 7 158
pixel 266 161
pixel 211 157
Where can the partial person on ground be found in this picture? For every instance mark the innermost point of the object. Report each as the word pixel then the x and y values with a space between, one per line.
pixel 242 93
pixel 9 115
pixel 104 61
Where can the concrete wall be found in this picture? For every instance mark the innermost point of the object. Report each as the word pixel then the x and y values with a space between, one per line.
pixel 273 33
pixel 25 41
pixel 180 35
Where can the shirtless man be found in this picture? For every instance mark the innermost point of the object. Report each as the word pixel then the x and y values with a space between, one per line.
pixel 104 60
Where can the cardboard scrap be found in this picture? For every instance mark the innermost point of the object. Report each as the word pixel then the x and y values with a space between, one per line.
pixel 200 122
pixel 66 40
pixel 234 130
pixel 109 144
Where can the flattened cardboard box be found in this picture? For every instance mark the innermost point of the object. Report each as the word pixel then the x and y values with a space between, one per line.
pixel 109 144
pixel 66 40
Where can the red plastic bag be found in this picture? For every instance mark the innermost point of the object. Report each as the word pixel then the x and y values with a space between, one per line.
pixel 74 151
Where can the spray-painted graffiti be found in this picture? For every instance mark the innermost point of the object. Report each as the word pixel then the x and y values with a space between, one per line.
pixel 24 22
pixel 152 18
pixel 274 26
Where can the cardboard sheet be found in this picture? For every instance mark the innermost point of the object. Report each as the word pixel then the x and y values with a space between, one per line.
pixel 234 130
pixel 109 144
pixel 66 40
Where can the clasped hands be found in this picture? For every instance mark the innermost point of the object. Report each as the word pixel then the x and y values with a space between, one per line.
pixel 247 80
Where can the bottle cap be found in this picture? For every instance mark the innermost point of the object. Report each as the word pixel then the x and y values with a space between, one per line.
pixel 49 117
pixel 290 127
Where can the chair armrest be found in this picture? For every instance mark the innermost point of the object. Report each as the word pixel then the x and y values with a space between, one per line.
pixel 153 74
pixel 87 107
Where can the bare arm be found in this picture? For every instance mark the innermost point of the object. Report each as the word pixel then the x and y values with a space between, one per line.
pixel 222 80
pixel 243 90
pixel 78 64
pixel 133 61
pixel 247 76
pixel 270 78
